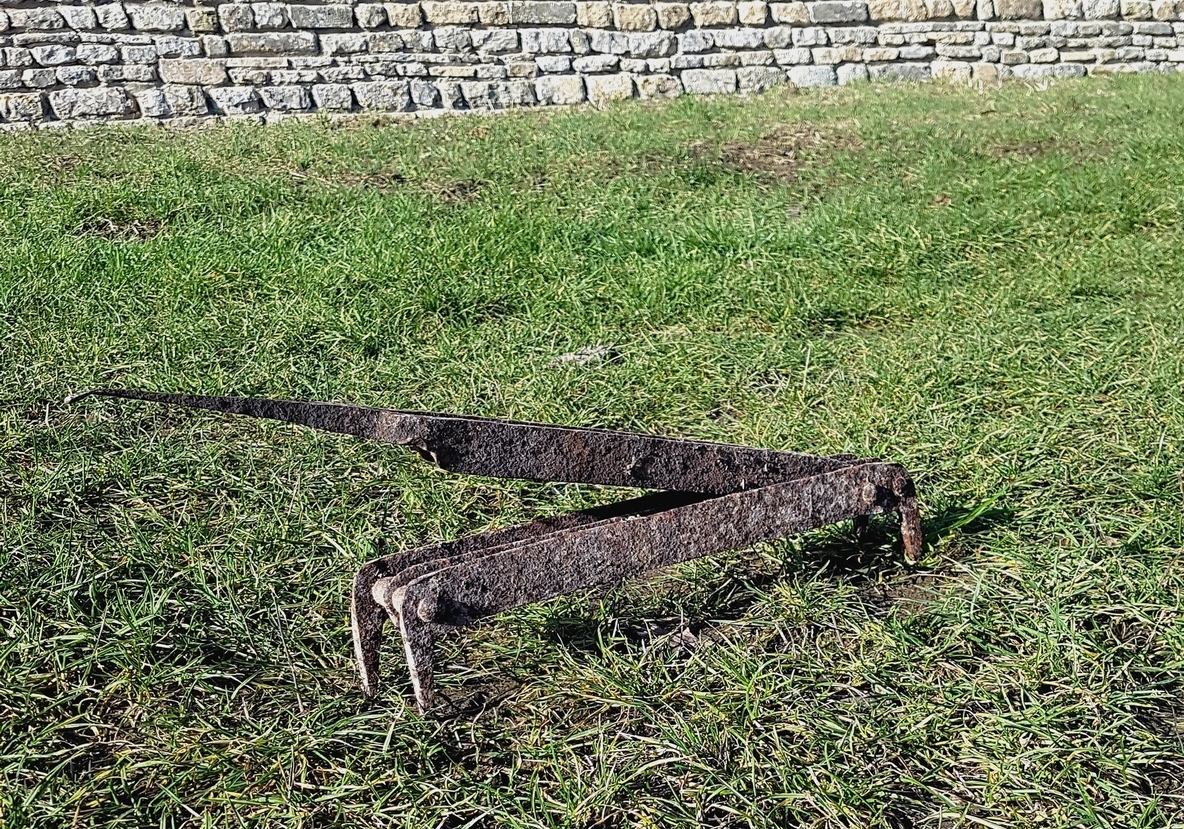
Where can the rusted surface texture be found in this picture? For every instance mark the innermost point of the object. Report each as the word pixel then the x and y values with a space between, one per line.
pixel 718 497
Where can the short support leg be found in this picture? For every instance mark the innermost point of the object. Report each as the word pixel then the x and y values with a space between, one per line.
pixel 910 530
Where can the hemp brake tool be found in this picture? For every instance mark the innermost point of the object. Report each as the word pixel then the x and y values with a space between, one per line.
pixel 714 497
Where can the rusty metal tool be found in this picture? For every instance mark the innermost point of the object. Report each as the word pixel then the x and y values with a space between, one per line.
pixel 714 497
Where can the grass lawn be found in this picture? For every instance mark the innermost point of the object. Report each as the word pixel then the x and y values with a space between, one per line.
pixel 986 286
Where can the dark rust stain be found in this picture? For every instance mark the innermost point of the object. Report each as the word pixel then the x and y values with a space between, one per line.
pixel 714 497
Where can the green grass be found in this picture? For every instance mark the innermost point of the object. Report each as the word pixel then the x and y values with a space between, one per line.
pixel 986 286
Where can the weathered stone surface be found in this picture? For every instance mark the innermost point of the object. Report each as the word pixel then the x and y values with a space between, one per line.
pixel 77 17
pixel 1099 9
pixel 851 73
pixel 560 89
pixel 235 100
pixel 911 10
pixel 387 96
pixel 335 16
pixel 900 72
pixel 235 17
pixel 22 106
pixel 605 88
pixel 404 15
pixel 1062 9
pixel 714 14
pixel 272 43
pixel 495 40
pixel 759 78
pixel 38 18
pixel 1019 9
pixel 91 103
pixel 658 86
pixel 634 17
pixel 200 72
pixel 542 12
pixel 813 76
pixel 285 98
pixel 186 100
pixel 152 103
pixel 673 15
pixel 1050 70
pixel 753 13
pixel 597 15
pixel 157 18
pixel 709 81
pixel 837 11
pixel 652 44
pixel 793 13
pixel 333 97
pixel 53 55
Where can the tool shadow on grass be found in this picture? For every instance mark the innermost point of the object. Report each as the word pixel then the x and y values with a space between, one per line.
pixel 884 583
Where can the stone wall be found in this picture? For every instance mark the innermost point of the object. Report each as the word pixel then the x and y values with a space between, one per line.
pixel 74 62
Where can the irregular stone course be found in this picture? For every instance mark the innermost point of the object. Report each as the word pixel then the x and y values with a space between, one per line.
pixel 78 62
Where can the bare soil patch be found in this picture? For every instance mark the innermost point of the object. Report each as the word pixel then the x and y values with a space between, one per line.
pixel 782 153
pixel 459 192
pixel 122 230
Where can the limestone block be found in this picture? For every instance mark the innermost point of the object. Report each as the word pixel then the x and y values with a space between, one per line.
pixel 336 16
pixel 214 46
pixel 792 57
pixel 610 43
pixel 910 10
pixel 695 41
pixel 1135 9
pixel 1048 55
pixel 112 17
pixel 404 15
pixel 793 13
pixel 138 54
pixel 235 100
pixel 201 20
pixel 543 12
pixel 834 55
pixel 36 18
pixel 560 89
pixel 739 38
pixel 1019 9
pixel 652 44
pixel 1029 71
pixel 152 103
pixel 950 71
pixel 177 47
pixel 234 17
pixel 713 13
pixel 490 14
pixel 386 96
pixel 851 73
pixel 370 15
pixel 347 43
pixel 449 13
pixel 127 73
pixel 496 40
pixel 92 53
pixel 658 86
pixel 78 17
pixel 270 15
pixel 673 15
pixel 709 81
pixel 334 97
pixel 272 43
pixel 605 88
pixel 285 98
pixel 594 15
pixel 39 78
pixel 156 18
pixel 55 55
pixel 545 41
pixel 595 63
pixel 10 79
pixel 186 100
pixel 76 75
pixel 838 11
pixel 862 35
pixel 91 103
pixel 779 37
pixel 3 21
pixel 810 36
pixel 201 72
pixel 1166 9
pixel 553 64
pixel 753 13
pixel 22 106
pixel 453 39
pixel 635 17
pixel 1062 9
pixel 813 76
pixel 900 72
pixel 759 78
